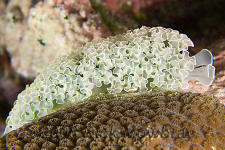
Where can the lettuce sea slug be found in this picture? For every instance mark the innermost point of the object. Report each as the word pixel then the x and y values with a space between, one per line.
pixel 146 59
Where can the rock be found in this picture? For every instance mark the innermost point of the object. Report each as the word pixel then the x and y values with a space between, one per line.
pixel 37 32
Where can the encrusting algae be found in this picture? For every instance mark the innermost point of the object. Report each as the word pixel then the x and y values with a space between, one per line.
pixel 157 120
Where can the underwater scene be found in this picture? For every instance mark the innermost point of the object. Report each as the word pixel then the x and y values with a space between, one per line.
pixel 112 74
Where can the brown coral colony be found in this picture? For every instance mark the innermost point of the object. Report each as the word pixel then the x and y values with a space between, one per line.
pixel 138 121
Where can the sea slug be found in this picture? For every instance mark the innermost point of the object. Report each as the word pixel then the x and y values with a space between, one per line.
pixel 146 59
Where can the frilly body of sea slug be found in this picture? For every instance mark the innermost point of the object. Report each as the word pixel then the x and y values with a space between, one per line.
pixel 144 59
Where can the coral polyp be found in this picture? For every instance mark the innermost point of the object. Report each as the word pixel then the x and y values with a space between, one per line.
pixel 144 59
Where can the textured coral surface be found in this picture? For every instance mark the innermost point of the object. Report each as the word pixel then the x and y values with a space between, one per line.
pixel 136 121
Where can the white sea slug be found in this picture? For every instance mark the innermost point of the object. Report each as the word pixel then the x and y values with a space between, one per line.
pixel 145 59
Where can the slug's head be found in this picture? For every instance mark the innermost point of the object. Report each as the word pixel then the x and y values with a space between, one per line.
pixel 203 71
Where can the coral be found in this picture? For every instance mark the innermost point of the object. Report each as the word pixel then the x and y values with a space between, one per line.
pixel 124 133
pixel 218 88
pixel 145 59
pixel 38 31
